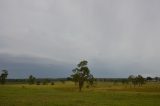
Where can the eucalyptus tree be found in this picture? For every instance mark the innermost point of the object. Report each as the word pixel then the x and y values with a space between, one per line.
pixel 3 76
pixel 81 74
pixel 136 80
pixel 31 79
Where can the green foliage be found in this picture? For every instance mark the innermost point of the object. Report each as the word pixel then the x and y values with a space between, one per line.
pixel 31 79
pixel 157 79
pixel 149 78
pixel 3 76
pixel 81 74
pixel 136 80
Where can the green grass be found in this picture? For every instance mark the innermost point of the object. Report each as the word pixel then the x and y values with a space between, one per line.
pixel 104 94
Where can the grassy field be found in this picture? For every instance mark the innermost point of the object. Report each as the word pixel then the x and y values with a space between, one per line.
pixel 103 94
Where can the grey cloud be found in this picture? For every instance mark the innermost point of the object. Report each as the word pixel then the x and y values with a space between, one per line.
pixel 24 65
pixel 118 38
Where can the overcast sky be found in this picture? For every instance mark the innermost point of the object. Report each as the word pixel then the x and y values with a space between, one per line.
pixel 47 38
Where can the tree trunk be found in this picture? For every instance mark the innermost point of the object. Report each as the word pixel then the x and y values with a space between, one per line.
pixel 80 85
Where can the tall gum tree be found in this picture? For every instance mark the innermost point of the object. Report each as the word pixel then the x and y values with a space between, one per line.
pixel 81 74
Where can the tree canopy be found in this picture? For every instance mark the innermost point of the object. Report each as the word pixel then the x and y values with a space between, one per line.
pixel 31 79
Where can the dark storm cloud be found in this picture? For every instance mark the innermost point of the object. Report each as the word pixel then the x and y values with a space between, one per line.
pixel 23 66
pixel 117 37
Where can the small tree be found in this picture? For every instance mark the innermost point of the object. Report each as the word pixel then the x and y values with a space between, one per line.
pixel 157 79
pixel 149 78
pixel 131 79
pixel 136 80
pixel 81 74
pixel 31 79
pixel 3 76
pixel 140 80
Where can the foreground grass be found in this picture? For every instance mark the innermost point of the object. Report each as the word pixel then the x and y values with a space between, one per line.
pixel 104 94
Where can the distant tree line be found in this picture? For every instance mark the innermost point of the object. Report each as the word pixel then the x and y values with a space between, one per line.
pixel 81 76
pixel 33 80
pixel 136 80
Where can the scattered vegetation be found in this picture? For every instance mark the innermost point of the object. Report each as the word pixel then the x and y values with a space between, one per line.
pixel 3 76
pixel 136 80
pixel 134 90
pixel 104 94
pixel 31 79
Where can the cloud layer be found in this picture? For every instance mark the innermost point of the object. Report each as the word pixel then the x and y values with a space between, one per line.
pixel 49 37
